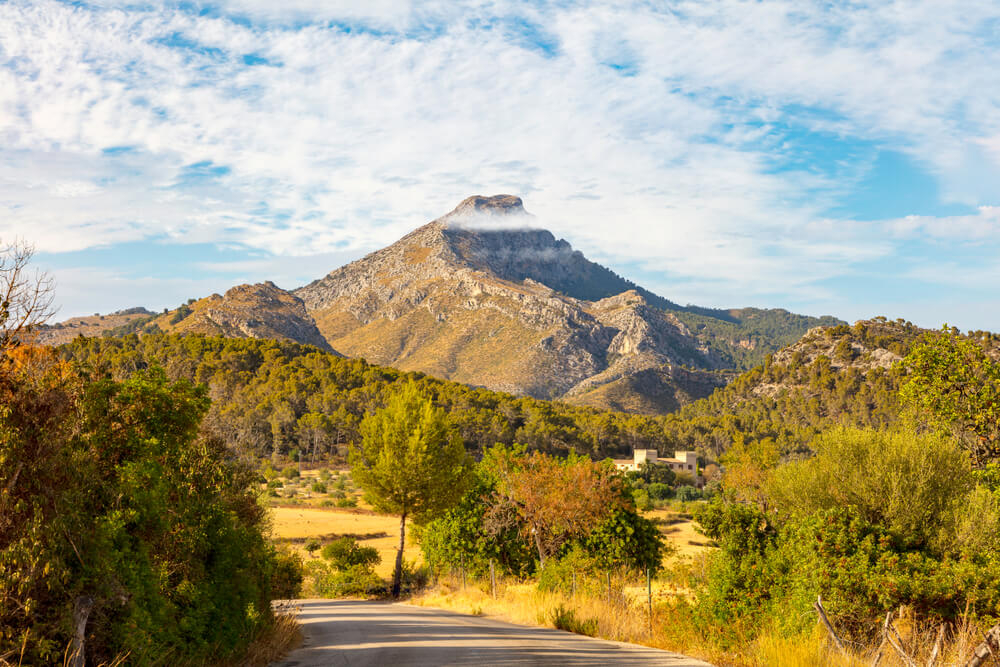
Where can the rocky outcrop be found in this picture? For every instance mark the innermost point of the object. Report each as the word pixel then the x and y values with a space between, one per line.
pixel 248 311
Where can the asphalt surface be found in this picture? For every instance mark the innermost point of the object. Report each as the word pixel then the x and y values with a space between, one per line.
pixel 359 634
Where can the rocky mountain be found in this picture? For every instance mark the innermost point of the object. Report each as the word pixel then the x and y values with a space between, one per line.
pixel 481 297
pixel 246 311
pixel 484 297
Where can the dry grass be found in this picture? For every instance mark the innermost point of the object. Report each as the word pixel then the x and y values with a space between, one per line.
pixel 628 621
pixel 301 523
pixel 526 605
pixel 273 643
pixel 681 533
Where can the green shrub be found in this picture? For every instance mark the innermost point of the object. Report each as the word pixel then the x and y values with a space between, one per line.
pixel 318 487
pixel 345 553
pixel 574 569
pixel 275 484
pixel 287 574
pixel 290 472
pixel 357 580
pixel 347 502
pixel 687 493
pixel 659 491
pixel 641 498
pixel 565 618
pixel 312 546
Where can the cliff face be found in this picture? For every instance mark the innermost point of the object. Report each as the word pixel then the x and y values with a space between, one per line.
pixel 247 311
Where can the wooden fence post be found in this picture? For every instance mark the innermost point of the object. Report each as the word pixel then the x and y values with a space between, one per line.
pixel 649 598
pixel 493 580
pixel 818 605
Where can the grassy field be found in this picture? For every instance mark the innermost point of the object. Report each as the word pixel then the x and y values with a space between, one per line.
pixel 295 525
pixel 300 514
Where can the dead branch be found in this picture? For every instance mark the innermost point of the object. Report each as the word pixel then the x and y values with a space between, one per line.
pixel 937 647
pixel 881 646
pixel 25 298
pixel 895 641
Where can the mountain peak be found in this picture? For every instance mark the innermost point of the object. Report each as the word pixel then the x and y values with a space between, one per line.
pixel 496 205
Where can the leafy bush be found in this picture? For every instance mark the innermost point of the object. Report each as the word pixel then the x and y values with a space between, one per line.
pixel 287 575
pixel 875 521
pixel 575 569
pixel 564 618
pixel 346 570
pixel 687 493
pixel 109 491
pixel 290 472
pixel 330 582
pixel 347 502
pixel 318 487
pixel 345 552
pixel 659 491
pixel 641 499
pixel 626 541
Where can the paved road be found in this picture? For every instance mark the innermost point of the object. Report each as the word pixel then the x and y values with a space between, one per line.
pixel 359 634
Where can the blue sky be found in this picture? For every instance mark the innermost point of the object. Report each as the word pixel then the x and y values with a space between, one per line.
pixel 825 158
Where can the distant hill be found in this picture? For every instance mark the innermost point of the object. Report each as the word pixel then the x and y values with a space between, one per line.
pixel 482 297
pixel 91 325
pixel 832 375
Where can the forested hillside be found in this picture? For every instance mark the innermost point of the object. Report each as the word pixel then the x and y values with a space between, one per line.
pixel 836 375
pixel 271 397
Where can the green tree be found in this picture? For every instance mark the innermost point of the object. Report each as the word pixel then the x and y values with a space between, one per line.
pixel 954 380
pixel 117 510
pixel 410 462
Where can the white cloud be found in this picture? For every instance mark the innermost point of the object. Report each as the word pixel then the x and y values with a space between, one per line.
pixel 655 137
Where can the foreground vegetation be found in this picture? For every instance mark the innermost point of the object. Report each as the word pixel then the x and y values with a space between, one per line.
pixel 125 531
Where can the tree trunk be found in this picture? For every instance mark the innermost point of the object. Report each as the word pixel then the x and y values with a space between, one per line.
pixel 81 612
pixel 538 545
pixel 397 575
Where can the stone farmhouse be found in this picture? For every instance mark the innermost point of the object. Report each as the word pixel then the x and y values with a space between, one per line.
pixel 681 462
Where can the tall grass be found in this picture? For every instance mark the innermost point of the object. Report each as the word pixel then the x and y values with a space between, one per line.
pixel 624 618
pixel 274 641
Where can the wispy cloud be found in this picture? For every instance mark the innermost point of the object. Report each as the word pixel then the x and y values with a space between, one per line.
pixel 667 138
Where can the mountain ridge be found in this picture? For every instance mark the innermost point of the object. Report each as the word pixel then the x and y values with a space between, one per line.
pixel 484 297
